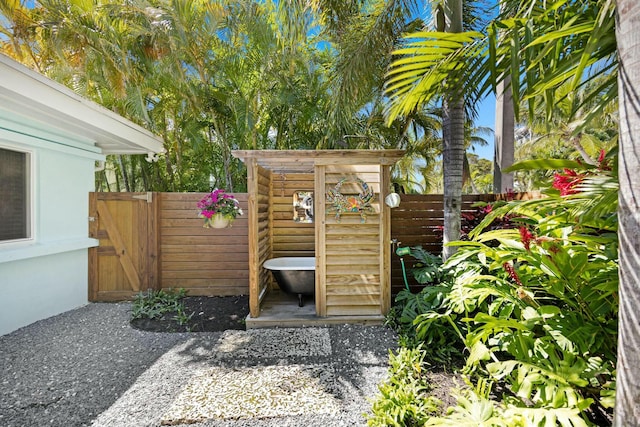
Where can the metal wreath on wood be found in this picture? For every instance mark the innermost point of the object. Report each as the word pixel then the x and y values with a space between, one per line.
pixel 360 203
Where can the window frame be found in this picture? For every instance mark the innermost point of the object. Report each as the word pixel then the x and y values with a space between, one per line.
pixel 30 188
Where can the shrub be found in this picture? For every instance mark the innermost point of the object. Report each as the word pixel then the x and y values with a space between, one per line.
pixel 443 343
pixel 155 304
pixel 403 399
pixel 536 308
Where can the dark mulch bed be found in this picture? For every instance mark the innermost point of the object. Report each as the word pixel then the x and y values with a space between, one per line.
pixel 210 314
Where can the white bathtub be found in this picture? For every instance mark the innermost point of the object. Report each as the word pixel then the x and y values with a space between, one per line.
pixel 290 263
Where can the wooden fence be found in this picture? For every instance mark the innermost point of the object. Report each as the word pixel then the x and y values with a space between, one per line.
pixel 418 221
pixel 156 240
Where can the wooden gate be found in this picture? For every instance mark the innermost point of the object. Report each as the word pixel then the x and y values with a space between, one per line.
pixel 125 263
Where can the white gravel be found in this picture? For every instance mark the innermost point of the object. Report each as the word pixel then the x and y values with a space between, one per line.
pixel 88 367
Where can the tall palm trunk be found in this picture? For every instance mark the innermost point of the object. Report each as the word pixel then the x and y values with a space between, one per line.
pixel 504 138
pixel 627 411
pixel 504 133
pixel 453 144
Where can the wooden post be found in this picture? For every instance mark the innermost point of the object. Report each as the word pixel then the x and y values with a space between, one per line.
pixel 141 245
pixel 93 252
pixel 319 218
pixel 385 241
pixel 254 249
pixel 271 226
pixel 153 241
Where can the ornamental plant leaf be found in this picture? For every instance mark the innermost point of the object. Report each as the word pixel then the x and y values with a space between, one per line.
pixel 545 164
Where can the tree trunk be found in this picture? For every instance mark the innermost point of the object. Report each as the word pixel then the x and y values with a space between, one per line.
pixel 627 409
pixel 452 167
pixel 453 144
pixel 504 138
pixel 123 173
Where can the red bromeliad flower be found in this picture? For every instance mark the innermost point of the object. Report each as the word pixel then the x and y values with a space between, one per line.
pixel 512 272
pixel 603 164
pixel 526 236
pixel 567 182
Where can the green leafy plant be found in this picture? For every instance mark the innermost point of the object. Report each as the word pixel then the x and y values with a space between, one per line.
pixel 155 304
pixel 428 270
pixel 541 304
pixel 534 306
pixel 440 344
pixel 403 399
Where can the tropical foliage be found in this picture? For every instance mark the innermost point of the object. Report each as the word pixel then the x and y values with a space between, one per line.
pixel 210 77
pixel 404 398
pixel 542 47
pixel 532 308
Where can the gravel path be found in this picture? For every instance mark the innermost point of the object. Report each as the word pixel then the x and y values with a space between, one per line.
pixel 88 367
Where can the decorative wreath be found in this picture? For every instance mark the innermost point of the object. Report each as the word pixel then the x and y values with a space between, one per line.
pixel 360 203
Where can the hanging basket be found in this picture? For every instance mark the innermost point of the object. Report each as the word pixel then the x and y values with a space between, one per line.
pixel 219 221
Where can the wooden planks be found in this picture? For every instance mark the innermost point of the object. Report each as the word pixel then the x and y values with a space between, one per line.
pixel 319 188
pixel 418 221
pixel 350 251
pixel 281 310
pixel 205 261
pixel 263 234
pixel 290 238
pixel 166 246
pixel 126 260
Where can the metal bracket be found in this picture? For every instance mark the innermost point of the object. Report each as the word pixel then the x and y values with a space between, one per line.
pixel 148 197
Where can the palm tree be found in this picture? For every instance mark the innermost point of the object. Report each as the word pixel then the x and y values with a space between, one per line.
pixel 207 76
pixel 363 34
pixel 432 64
pixel 452 142
pixel 504 141
pixel 628 46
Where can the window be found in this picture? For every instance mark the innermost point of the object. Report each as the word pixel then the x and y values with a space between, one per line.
pixel 15 195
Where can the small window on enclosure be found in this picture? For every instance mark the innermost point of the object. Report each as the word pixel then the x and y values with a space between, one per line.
pixel 15 195
pixel 303 206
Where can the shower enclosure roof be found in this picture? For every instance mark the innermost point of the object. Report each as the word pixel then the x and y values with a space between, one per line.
pixel 292 161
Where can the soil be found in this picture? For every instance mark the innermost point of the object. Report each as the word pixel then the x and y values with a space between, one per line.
pixel 210 314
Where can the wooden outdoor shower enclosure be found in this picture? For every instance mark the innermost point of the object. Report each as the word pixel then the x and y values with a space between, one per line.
pixel 352 253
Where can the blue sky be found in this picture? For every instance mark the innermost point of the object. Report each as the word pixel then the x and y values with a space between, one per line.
pixel 487 118
pixel 487 108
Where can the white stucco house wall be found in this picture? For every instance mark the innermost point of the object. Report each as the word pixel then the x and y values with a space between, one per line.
pixel 50 141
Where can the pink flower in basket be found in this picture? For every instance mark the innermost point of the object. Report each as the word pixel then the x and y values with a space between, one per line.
pixel 218 203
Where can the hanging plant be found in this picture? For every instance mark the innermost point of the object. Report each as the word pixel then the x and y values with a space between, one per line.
pixel 219 209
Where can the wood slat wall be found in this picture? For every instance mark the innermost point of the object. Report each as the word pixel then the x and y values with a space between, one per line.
pixel 417 220
pixel 290 238
pixel 215 262
pixel 264 229
pixel 352 250
pixel 259 233
pixel 205 261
